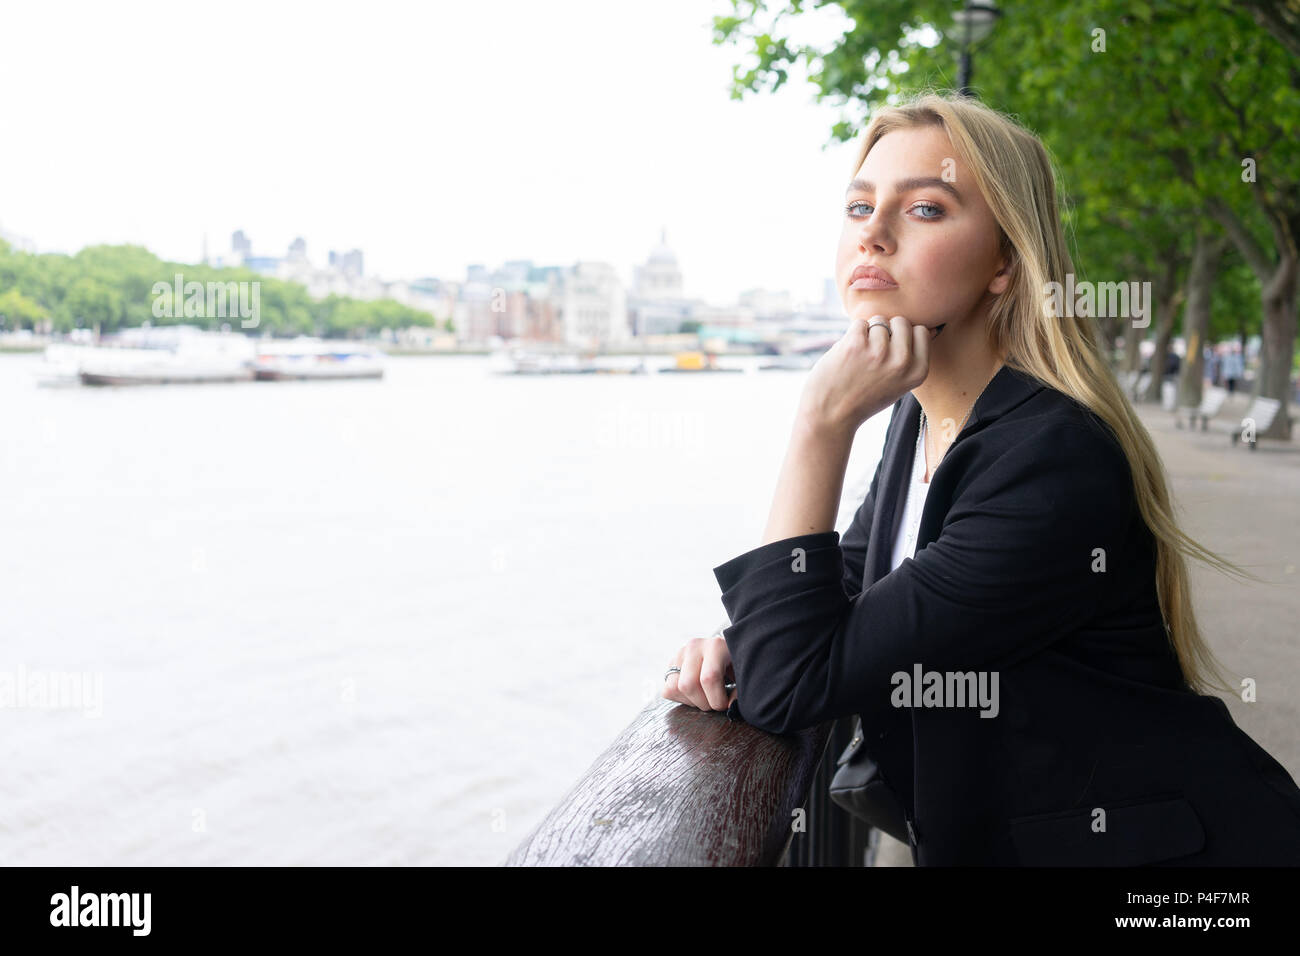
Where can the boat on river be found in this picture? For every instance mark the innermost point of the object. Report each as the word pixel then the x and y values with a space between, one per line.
pixel 697 362
pixel 61 366
pixel 521 360
pixel 304 359
pixel 168 355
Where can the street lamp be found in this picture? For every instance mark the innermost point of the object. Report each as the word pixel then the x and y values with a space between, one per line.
pixel 974 22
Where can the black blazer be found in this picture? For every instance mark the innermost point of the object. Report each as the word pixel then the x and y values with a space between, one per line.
pixel 1098 754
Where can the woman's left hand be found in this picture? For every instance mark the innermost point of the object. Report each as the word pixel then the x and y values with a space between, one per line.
pixel 705 664
pixel 865 372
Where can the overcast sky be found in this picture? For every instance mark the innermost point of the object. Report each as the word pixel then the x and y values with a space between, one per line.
pixel 429 135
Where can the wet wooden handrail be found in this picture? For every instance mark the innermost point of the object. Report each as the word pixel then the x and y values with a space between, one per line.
pixel 682 787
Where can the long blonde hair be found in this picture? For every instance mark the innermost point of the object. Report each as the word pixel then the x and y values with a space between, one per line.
pixel 1015 173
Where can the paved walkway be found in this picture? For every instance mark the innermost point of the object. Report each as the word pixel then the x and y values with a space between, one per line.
pixel 1245 507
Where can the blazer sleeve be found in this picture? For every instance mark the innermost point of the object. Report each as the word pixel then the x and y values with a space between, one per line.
pixel 1015 567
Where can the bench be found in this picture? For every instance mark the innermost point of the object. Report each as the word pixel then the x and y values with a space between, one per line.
pixel 1258 418
pixel 1211 403
pixel 1140 388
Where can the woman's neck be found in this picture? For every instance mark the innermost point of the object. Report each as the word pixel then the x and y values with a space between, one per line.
pixel 960 368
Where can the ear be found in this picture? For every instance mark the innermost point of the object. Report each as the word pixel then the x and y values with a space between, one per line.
pixel 1002 278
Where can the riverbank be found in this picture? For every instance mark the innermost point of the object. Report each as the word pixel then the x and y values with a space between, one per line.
pixel 396 351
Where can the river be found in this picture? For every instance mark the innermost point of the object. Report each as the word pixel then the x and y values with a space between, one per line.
pixel 359 622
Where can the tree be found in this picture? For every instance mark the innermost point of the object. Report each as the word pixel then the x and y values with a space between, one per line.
pixel 112 287
pixel 1281 18
pixel 17 311
pixel 1206 124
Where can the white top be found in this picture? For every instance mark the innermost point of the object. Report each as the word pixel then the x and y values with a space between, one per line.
pixel 917 489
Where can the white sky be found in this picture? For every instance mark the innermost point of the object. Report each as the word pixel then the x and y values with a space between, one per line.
pixel 429 135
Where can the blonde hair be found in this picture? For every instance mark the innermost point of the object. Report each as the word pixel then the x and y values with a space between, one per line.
pixel 1014 172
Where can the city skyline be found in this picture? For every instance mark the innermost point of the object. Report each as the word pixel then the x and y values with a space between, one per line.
pixel 587 304
pixel 647 277
pixel 432 140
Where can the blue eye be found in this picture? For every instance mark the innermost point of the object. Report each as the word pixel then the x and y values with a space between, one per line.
pixel 857 209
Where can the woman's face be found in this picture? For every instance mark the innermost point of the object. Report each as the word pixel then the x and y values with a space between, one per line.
pixel 915 213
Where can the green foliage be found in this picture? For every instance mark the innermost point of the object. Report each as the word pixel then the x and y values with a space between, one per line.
pixel 1235 306
pixel 1146 133
pixel 112 287
pixel 17 311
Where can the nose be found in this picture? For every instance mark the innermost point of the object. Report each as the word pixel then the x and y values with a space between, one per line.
pixel 874 236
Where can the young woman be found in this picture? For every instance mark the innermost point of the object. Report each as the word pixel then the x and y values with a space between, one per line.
pixel 1009 612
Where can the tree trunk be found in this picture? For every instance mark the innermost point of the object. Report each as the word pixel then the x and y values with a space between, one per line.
pixel 1278 346
pixel 1206 260
pixel 1281 18
pixel 1165 316
pixel 1168 295
pixel 1277 282
pixel 1109 329
pixel 1132 347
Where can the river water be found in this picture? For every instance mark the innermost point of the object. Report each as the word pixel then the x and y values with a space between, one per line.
pixel 354 622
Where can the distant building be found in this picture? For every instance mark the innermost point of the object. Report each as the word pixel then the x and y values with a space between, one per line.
pixel 543 287
pixel 728 316
pixel 435 296
pixel 765 304
pixel 473 315
pixel 594 307
pixel 657 305
pixel 349 263
pixel 513 274
pixel 831 301
pixel 296 267
pixel 241 248
pixel 663 317
pixel 519 301
pixel 659 277
pixel 265 265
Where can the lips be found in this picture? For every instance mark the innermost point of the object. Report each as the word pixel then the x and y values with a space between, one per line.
pixel 871 279
pixel 871 272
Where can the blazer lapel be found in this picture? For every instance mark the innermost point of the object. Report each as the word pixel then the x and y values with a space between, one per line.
pixel 1005 391
pixel 895 471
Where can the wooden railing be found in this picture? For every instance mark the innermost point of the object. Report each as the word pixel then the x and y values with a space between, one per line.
pixel 686 787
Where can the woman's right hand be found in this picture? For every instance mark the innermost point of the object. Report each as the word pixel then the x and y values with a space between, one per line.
pixel 705 664
pixel 865 372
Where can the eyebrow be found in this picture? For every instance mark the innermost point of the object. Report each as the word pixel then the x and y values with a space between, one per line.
pixel 907 185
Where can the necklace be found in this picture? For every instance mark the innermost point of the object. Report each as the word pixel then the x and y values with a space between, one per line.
pixel 919 464
pixel 922 431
